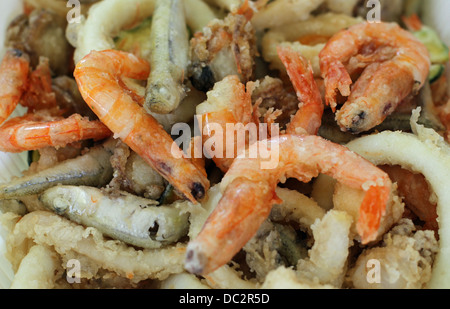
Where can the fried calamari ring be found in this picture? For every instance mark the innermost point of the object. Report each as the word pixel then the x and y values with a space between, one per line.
pixel 308 37
pixel 290 10
pixel 106 18
pixel 424 152
pixel 69 239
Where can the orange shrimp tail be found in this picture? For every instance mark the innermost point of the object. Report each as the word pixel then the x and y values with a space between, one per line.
pixel 372 210
pixel 309 117
pixel 245 10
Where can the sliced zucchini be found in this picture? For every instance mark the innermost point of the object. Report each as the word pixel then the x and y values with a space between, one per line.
pixel 136 40
pixel 436 71
pixel 33 156
pixel 169 196
pixel 439 51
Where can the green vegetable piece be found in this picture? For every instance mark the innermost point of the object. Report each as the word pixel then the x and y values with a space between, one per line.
pixel 136 40
pixel 436 71
pixel 439 51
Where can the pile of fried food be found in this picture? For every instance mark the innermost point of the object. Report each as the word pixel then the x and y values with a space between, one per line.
pixel 357 199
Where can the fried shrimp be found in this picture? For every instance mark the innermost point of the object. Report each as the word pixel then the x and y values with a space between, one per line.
pixel 41 126
pixel 98 76
pixel 249 192
pixel 36 131
pixel 13 78
pixel 309 116
pixel 393 62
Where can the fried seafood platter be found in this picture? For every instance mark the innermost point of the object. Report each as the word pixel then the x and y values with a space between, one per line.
pixel 225 144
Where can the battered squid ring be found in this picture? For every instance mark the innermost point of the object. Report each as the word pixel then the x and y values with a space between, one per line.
pixel 322 26
pixel 291 10
pixel 424 152
pixel 70 239
pixel 107 18
pixel 325 263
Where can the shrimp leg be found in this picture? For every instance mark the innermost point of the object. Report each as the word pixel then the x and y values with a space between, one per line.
pixel 309 117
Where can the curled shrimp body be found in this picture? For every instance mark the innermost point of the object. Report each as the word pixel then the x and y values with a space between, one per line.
pixel 36 131
pixel 393 64
pixel 99 79
pixel 13 79
pixel 308 118
pixel 249 193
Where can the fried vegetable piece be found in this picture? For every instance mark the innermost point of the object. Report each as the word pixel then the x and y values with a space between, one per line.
pixel 169 58
pixel 135 40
